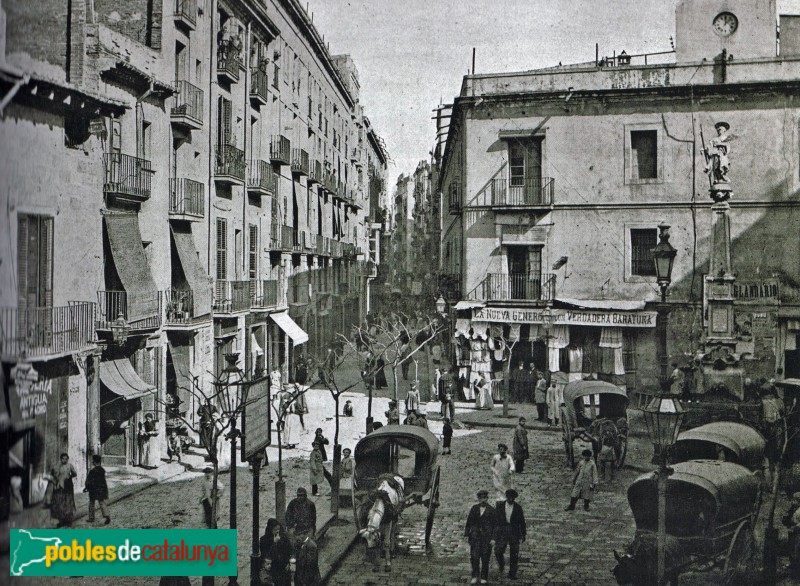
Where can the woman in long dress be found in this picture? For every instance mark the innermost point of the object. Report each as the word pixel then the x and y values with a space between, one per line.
pixel 62 505
pixel 149 439
pixel 483 395
pixel 502 469
pixel 291 420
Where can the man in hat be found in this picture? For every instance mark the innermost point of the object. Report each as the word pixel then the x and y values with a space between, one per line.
pixel 510 532
pixel 301 518
pixel 479 530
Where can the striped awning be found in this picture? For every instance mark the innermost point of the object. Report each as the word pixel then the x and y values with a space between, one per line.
pixel 121 379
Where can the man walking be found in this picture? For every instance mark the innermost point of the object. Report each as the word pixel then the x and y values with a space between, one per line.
pixel 510 532
pixel 530 384
pixel 540 396
pixel 479 530
pixel 517 386
pixel 301 519
pixel 520 445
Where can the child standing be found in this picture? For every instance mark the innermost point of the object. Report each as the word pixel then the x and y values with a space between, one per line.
pixel 584 482
pixel 607 460
pixel 174 446
pixel 97 488
pixel 447 435
pixel 346 470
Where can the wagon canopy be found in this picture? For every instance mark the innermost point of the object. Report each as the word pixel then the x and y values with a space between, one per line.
pixel 744 444
pixel 600 398
pixel 373 455
pixel 702 496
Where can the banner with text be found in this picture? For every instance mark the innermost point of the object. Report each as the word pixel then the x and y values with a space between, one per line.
pixel 573 317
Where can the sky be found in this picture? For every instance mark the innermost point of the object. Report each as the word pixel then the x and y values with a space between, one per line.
pixel 411 55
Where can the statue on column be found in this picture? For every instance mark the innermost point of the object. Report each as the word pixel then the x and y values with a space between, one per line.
pixel 716 153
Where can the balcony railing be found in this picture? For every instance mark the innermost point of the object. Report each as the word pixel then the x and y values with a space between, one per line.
pixel 262 178
pixel 46 331
pixel 230 164
pixel 230 296
pixel 187 107
pixel 336 249
pixel 280 149
pixel 259 87
pixel 229 61
pixel 531 192
pixel 515 286
pixel 186 198
pixel 275 236
pixel 180 307
pixel 186 12
pixel 299 241
pixel 314 172
pixel 309 242
pixel 287 238
pixel 300 162
pixel 264 293
pixel 115 304
pixel 323 246
pixel 454 196
pixel 127 177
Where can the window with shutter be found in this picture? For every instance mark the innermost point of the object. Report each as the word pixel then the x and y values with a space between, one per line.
pixel 253 252
pixel 224 122
pixel 643 240
pixel 222 249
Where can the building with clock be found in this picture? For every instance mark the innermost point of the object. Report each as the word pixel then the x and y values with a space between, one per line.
pixel 554 183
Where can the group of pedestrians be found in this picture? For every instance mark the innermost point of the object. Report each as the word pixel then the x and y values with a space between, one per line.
pixel 532 386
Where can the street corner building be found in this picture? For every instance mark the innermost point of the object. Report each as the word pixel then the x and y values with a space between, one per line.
pixel 184 181
pixel 554 186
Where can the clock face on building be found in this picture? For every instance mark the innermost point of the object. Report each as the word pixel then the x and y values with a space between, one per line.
pixel 725 24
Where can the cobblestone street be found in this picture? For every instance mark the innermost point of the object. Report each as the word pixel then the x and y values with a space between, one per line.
pixel 562 547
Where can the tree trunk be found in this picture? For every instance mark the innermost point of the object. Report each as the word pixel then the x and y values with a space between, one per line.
pixel 336 473
pixel 771 532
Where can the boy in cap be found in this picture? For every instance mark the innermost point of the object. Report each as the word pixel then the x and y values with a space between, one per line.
pixel 480 530
pixel 584 481
pixel 510 532
pixel 447 435
pixel 97 488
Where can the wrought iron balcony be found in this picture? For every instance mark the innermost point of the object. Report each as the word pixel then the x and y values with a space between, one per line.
pixel 180 308
pixel 534 192
pixel 262 178
pixel 309 242
pixel 229 60
pixel 280 150
pixel 323 246
pixel 298 241
pixel 230 165
pixel 300 164
pixel 46 331
pixel 264 293
pixel 259 87
pixel 186 12
pixel 186 199
pixel 141 311
pixel 231 296
pixel 336 249
pixel 127 177
pixel 515 287
pixel 275 236
pixel 187 106
pixel 314 172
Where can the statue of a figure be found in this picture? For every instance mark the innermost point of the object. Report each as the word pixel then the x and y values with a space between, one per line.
pixel 717 152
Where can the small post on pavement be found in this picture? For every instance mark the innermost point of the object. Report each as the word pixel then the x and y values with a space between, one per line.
pixel 255 556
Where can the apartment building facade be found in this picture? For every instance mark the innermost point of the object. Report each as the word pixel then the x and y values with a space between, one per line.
pixel 554 183
pixel 188 179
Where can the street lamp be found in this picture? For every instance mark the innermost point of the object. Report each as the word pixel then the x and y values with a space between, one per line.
pixel 663 258
pixel 663 417
pixel 441 306
pixel 230 397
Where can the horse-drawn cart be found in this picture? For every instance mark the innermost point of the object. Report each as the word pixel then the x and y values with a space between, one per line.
pixel 722 440
pixel 395 466
pixel 710 512
pixel 595 411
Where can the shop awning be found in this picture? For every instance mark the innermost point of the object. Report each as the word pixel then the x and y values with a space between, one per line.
pixel 131 264
pixel 195 274
pixel 290 328
pixel 613 304
pixel 469 305
pixel 120 378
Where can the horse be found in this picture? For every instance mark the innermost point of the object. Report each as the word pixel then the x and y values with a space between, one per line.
pixel 637 565
pixel 388 502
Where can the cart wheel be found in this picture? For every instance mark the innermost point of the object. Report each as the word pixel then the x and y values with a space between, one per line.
pixel 622 450
pixel 432 505
pixel 567 435
pixel 740 555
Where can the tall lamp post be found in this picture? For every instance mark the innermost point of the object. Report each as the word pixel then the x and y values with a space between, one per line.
pixel 232 390
pixel 663 258
pixel 663 417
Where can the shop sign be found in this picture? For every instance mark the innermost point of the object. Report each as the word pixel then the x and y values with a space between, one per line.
pixel 574 317
pixel 31 394
pixel 765 290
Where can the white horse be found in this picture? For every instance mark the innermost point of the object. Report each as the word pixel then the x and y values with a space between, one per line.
pixel 389 498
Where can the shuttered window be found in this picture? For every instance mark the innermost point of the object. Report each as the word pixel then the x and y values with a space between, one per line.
pixel 253 251
pixel 35 261
pixel 224 121
pixel 643 240
pixel 222 249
